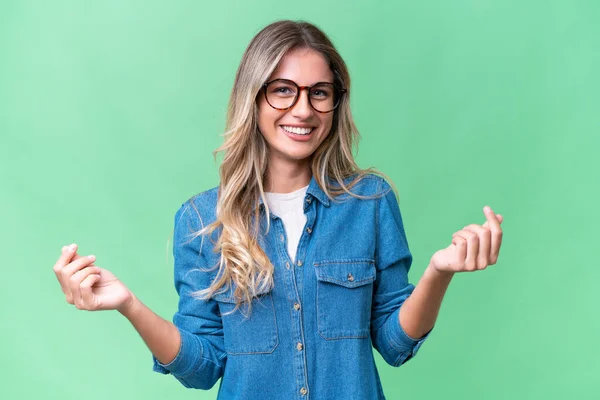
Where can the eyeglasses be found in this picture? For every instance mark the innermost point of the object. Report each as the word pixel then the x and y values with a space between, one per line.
pixel 282 94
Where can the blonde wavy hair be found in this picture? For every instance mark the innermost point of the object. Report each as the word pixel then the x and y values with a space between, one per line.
pixel 243 263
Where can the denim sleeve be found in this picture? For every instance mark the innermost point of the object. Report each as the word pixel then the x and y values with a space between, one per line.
pixel 392 260
pixel 201 357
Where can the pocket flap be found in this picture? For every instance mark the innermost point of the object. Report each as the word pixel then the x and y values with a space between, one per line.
pixel 350 273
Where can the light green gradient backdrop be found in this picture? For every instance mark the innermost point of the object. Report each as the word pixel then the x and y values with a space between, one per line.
pixel 109 112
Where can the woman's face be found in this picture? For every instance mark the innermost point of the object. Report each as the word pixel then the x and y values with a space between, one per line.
pixel 286 130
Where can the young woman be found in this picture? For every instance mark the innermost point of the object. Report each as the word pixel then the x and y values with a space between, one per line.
pixel 297 263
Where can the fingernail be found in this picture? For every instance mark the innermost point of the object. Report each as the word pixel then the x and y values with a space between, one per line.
pixel 72 247
pixel 487 209
pixel 91 257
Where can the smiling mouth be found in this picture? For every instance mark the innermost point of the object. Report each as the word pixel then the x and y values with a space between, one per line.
pixel 297 130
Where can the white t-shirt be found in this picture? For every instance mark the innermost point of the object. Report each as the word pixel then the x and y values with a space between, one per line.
pixel 290 208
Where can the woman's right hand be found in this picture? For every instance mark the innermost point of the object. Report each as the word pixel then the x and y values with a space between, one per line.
pixel 88 286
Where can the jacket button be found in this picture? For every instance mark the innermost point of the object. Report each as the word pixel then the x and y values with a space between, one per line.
pixel 281 238
pixel 287 265
pixel 308 199
pixel 296 306
pixel 303 391
pixel 299 346
pixel 299 263
pixel 350 278
pixel 308 230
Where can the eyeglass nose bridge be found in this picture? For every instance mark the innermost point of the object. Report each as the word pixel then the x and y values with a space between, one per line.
pixel 300 89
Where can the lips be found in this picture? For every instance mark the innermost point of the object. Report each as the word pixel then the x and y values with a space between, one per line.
pixel 304 136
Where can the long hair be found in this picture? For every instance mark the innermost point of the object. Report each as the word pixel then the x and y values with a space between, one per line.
pixel 243 263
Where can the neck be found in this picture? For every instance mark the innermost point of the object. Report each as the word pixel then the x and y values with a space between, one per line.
pixel 284 176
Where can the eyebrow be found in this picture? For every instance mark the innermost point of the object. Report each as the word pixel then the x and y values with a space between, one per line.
pixel 312 84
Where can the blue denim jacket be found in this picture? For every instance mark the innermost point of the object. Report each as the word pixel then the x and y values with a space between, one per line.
pixel 310 336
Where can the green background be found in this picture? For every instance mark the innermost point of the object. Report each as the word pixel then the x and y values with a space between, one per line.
pixel 109 112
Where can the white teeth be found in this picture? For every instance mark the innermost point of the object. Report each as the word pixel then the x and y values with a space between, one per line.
pixel 297 131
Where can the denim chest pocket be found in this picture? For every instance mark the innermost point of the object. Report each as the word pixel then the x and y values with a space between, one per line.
pixel 248 333
pixel 344 297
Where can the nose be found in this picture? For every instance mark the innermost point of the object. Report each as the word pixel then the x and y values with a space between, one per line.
pixel 302 109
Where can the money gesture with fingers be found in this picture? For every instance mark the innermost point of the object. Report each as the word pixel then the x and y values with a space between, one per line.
pixel 473 248
pixel 88 286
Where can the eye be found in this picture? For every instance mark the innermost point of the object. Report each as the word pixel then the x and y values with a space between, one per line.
pixel 281 89
pixel 321 92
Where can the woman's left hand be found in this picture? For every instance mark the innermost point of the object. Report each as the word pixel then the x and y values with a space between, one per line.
pixel 473 248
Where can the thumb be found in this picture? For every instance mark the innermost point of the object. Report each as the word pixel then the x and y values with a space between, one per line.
pixel 74 256
pixel 499 217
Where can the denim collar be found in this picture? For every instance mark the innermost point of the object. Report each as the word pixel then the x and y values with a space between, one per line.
pixel 315 191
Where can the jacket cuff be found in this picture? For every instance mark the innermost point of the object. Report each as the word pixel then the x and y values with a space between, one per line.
pixel 406 346
pixel 182 365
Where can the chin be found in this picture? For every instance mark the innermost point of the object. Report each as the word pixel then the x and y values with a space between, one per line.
pixel 299 157
pixel 295 155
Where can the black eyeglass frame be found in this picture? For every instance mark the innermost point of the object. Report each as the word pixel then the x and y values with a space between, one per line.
pixel 342 91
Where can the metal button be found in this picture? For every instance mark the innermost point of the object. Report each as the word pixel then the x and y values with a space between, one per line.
pixel 299 263
pixel 308 199
pixel 282 238
pixel 299 346
pixel 308 230
pixel 296 306
pixel 287 265
pixel 350 278
pixel 303 391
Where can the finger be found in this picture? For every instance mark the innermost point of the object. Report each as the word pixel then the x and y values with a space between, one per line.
pixel 491 218
pixel 75 283
pixel 495 247
pixel 484 236
pixel 67 272
pixel 77 264
pixel 460 252
pixel 87 294
pixel 64 259
pixel 496 233
pixel 472 249
pixel 67 290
